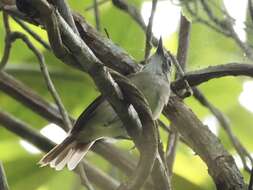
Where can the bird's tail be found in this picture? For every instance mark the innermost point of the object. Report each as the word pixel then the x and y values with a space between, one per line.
pixel 69 152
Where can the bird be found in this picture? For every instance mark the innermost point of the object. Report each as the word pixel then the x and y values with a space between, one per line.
pixel 102 122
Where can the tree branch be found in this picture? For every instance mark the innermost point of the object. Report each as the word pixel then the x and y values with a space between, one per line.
pixel 131 10
pixel 64 10
pixel 21 129
pixel 32 33
pixel 15 89
pixel 47 78
pixel 33 101
pixel 240 149
pixel 134 13
pixel 149 33
pixel 96 14
pixel 54 24
pixel 3 179
pixel 189 128
pixel 203 75
pixel 99 3
pixel 8 41
pixel 221 165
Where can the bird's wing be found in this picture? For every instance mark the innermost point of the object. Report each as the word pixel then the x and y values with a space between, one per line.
pixel 90 110
pixel 87 114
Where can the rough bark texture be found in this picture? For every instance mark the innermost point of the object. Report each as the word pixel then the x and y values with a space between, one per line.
pixel 221 165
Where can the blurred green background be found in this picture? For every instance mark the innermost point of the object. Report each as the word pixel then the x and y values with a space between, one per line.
pixel 77 90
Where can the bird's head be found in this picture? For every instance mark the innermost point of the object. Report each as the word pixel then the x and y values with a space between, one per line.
pixel 159 63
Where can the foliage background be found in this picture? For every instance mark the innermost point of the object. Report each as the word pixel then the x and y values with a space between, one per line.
pixel 207 47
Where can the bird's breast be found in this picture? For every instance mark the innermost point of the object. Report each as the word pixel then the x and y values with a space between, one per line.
pixel 155 89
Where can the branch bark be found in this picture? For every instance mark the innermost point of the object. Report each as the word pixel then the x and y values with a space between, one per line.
pixel 221 165
pixel 62 37
pixel 203 75
pixel 22 130
pixel 3 179
pixel 192 131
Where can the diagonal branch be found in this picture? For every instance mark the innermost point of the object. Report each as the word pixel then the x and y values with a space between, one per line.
pixel 3 179
pixel 196 126
pixel 33 101
pixel 21 129
pixel 32 33
pixel 131 10
pixel 50 85
pixel 63 8
pixel 221 165
pixel 240 149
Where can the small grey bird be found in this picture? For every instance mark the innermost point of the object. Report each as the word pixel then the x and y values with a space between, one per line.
pixel 95 124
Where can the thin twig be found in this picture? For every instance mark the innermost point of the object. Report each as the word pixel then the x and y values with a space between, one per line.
pixel 223 26
pixel 99 3
pixel 84 178
pixel 32 33
pixel 184 39
pixel 3 179
pixel 250 187
pixel 250 7
pixel 148 45
pixel 199 19
pixel 240 149
pixel 132 11
pixel 171 151
pixel 7 45
pixel 6 23
pixel 47 78
pixel 96 14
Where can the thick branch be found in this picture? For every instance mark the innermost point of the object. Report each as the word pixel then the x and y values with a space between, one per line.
pixel 241 150
pixel 195 124
pixel 64 10
pixel 221 165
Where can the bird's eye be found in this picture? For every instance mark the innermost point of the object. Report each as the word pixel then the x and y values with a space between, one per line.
pixel 169 62
pixel 165 66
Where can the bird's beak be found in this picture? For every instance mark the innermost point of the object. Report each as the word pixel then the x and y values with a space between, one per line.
pixel 159 49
